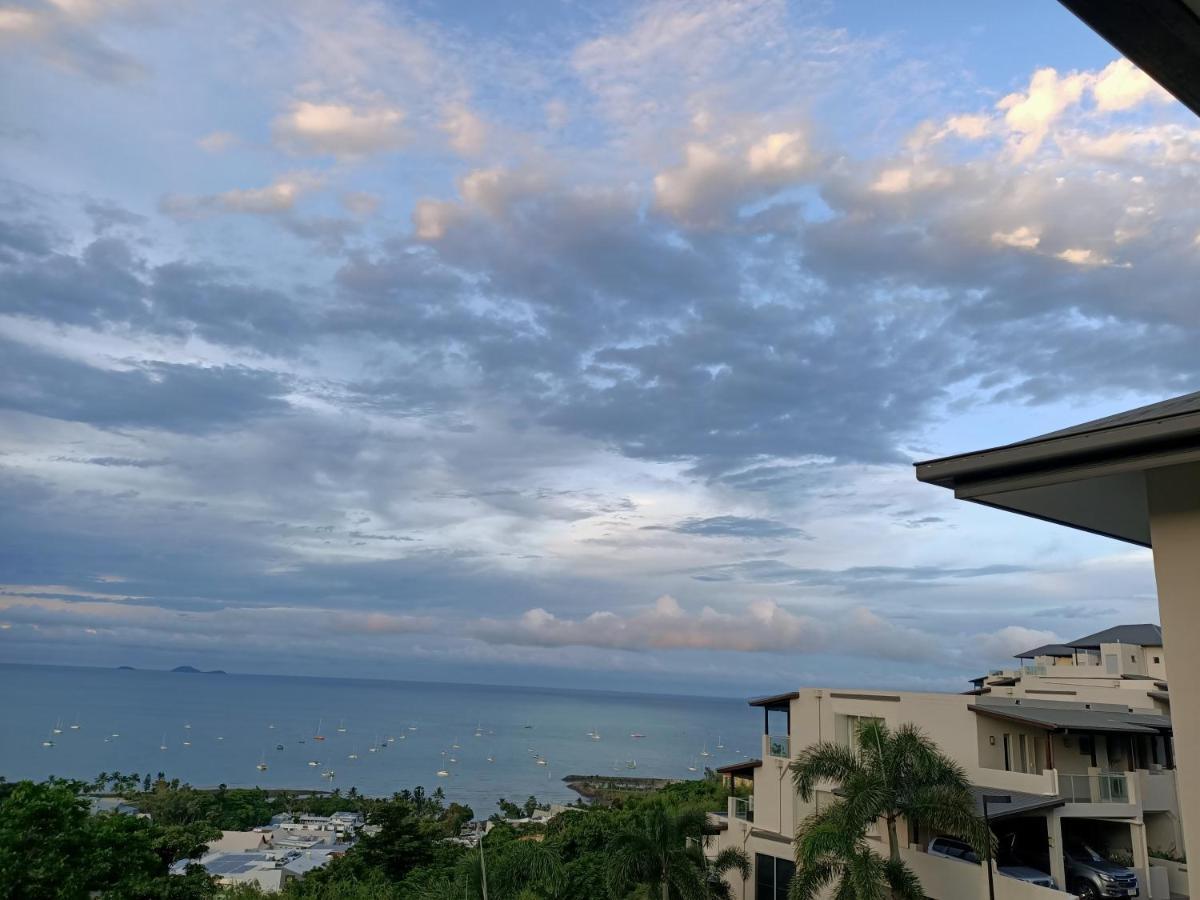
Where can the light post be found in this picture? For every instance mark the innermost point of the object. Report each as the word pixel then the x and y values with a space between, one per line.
pixel 483 863
pixel 991 798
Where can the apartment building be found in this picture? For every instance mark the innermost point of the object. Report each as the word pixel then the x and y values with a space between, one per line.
pixel 1082 758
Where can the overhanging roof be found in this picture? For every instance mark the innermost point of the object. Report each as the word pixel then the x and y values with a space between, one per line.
pixel 1061 650
pixel 1147 635
pixel 1019 802
pixel 745 768
pixel 1074 719
pixel 1089 476
pixel 1161 37
pixel 775 701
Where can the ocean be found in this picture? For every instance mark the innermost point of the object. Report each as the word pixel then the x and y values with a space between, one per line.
pixel 217 728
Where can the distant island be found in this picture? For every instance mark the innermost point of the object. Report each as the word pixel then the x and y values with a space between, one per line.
pixel 194 671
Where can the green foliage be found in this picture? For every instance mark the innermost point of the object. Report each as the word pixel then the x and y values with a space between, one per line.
pixel 885 776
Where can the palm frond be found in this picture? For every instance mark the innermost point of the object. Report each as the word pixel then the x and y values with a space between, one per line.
pixel 825 761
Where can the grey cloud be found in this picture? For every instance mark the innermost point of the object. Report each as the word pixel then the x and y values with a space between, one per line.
pixel 856 578
pixel 734 526
pixel 190 399
pixel 113 461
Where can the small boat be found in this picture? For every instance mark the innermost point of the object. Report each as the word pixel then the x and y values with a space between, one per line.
pixel 318 736
pixel 313 763
pixel 279 746
pixel 390 740
pixel 48 742
pixel 631 764
pixel 342 727
pixel 454 759
pixel 220 737
pixel 491 759
pixel 163 745
pixel 328 773
pixel 720 743
pixel 527 725
pixel 403 737
pixel 595 735
pixel 116 734
pixel 454 746
pixel 353 755
pixel 58 727
pixel 479 730
pixel 108 740
pixel 271 726
pixel 692 767
pixel 187 724
pixel 187 743
pixel 705 752
pixel 443 772
pixel 373 748
pixel 75 724
pixel 262 763
pixel 412 727
pixel 636 734
pixel 541 761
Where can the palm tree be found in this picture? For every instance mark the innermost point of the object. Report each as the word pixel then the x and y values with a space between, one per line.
pixel 663 852
pixel 884 775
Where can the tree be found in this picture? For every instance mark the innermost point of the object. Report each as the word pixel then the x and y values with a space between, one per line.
pixel 885 776
pixel 662 850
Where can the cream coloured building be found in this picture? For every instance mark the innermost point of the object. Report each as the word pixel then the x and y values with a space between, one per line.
pixel 1081 758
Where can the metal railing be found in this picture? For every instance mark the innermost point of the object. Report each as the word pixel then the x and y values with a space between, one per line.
pixel 779 746
pixel 743 808
pixel 1099 788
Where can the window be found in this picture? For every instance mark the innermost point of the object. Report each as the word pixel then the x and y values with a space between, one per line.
pixel 1156 660
pixel 772 875
pixel 1132 658
pixel 1023 743
pixel 1007 752
pixel 850 725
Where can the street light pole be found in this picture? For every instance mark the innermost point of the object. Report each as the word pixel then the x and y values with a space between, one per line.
pixel 991 798
pixel 482 861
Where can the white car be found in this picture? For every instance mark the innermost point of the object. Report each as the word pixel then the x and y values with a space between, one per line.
pixel 1012 867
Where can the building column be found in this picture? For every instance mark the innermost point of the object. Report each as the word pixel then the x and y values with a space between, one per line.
pixel 1058 868
pixel 1173 494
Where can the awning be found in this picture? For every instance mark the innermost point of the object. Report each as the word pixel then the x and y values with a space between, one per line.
pixel 1072 719
pixel 775 701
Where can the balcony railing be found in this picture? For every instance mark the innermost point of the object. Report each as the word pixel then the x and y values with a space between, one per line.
pixel 743 808
pixel 779 746
pixel 1094 788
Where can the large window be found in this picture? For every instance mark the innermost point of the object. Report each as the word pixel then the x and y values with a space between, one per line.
pixel 772 875
pixel 848 727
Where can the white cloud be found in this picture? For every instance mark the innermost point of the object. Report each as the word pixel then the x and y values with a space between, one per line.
pixel 760 625
pixel 467 132
pixel 1004 643
pixel 1023 237
pixel 1121 85
pixel 217 141
pixel 361 203
pixel 1081 256
pixel 280 196
pixel 1031 114
pixel 340 130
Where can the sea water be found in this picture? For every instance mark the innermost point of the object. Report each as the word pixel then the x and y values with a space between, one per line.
pixel 217 729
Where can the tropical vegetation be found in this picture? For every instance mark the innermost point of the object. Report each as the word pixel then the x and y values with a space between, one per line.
pixel 882 776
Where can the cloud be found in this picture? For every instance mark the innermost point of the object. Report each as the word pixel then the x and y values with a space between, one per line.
pixel 217 141
pixel 466 130
pixel 711 184
pixel 278 197
pixel 1121 85
pixel 1031 114
pixel 336 129
pixel 761 626
pixel 69 35
pixel 1004 643
pixel 735 526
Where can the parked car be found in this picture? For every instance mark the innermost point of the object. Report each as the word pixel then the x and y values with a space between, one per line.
pixel 1092 877
pixel 1009 865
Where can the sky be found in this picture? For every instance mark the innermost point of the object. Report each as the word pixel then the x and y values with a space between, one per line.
pixel 563 343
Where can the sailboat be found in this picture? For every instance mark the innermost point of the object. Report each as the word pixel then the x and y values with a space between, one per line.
pixel 187 743
pixel 329 773
pixel 595 735
pixel 318 736
pixel 720 743
pixel 262 762
pixel 374 746
pixel 705 752
pixel 491 758
pixel 443 772
pixel 58 727
pixel 49 741
pixel 479 729
pixel 187 724
pixel 636 734
pixel 412 727
pixel 692 767
pixel 75 724
pixel 279 746
pixel 454 746
pixel 353 754
pixel 342 727
pixel 163 745
pixel 314 763
pixel 631 764
pixel 541 761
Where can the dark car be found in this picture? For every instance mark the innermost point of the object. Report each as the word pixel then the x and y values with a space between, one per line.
pixel 1092 877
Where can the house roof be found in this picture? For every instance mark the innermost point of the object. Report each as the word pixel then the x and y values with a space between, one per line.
pixel 1088 476
pixel 1162 37
pixel 1047 650
pixel 1141 635
pixel 775 701
pixel 746 766
pixel 1072 718
pixel 1019 801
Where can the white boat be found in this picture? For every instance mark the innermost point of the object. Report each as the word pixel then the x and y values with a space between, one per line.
pixel 443 772
pixel 329 774
pixel 220 737
pixel 403 737
pixel 412 727
pixel 163 745
pixel 541 761
pixel 342 727
pixel 595 735
pixel 314 763
pixel 187 743
pixel 262 762
pixel 75 724
pixel 318 736
pixel 374 746
pixel 636 734
pixel 454 746
pixel 48 742
pixel 116 734
pixel 720 744
pixel 631 764
pixel 187 724
pixel 692 767
pixel 705 752
pixel 479 729
pixel 491 759
pixel 353 755
pixel 58 727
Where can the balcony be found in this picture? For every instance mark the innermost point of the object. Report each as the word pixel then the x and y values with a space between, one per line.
pixel 779 746
pixel 1096 788
pixel 742 808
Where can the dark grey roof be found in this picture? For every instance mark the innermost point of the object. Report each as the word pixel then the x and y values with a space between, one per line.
pixel 746 765
pixel 1075 719
pixel 1141 635
pixel 775 701
pixel 1159 695
pixel 1020 802
pixel 1047 650
pixel 1164 409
